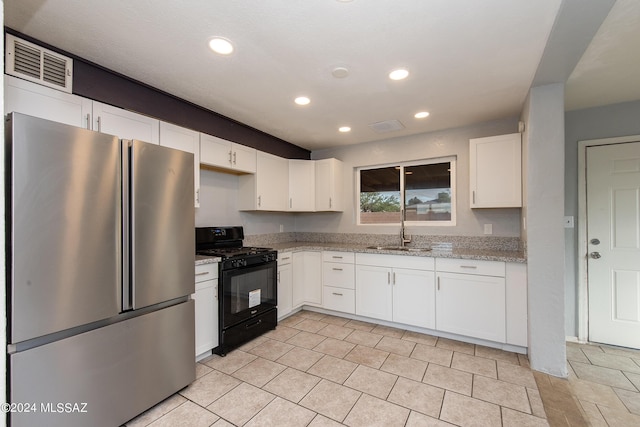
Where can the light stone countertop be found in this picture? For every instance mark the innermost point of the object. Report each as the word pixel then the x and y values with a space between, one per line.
pixel 476 254
pixel 202 259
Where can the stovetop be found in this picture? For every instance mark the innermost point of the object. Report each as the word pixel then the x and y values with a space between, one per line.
pixel 226 253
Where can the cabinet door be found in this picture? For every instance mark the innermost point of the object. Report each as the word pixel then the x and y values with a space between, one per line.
pixel 414 297
pixel 206 308
pixel 243 158
pixel 328 185
pixel 313 277
pixel 215 151
pixel 516 301
pixel 125 124
pixel 285 281
pixel 268 189
pixel 302 178
pixel 374 293
pixel 496 171
pixel 297 287
pixel 471 305
pixel 188 140
pixel 39 101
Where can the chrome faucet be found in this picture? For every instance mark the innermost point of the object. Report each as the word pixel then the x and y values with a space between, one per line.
pixel 404 238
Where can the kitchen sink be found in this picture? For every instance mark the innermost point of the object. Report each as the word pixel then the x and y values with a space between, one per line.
pixel 399 248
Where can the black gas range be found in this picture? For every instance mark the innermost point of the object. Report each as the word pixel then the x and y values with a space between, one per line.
pixel 247 285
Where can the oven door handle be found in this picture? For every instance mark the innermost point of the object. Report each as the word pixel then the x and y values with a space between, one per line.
pixel 254 324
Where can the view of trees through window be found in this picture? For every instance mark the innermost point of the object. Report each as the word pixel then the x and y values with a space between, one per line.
pixel 424 190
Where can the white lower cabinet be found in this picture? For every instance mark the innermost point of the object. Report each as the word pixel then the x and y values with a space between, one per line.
pixel 206 308
pixel 396 288
pixel 516 300
pixel 307 278
pixel 285 284
pixel 471 304
pixel 339 299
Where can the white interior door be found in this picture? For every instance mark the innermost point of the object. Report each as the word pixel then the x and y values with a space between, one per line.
pixel 613 243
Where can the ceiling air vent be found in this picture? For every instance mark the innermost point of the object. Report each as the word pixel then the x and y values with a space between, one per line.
pixel 37 64
pixel 386 126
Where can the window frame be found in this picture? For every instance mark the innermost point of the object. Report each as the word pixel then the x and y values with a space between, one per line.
pixel 453 178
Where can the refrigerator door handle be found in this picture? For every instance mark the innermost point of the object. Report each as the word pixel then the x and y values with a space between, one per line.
pixel 127 262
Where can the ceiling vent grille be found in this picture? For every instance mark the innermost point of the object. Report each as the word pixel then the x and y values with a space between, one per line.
pixel 386 126
pixel 37 64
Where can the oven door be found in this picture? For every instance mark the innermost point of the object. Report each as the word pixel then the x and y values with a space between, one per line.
pixel 246 292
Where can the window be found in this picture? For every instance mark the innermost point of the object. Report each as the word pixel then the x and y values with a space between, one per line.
pixel 423 191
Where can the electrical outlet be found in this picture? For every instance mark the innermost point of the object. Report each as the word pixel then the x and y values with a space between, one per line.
pixel 488 229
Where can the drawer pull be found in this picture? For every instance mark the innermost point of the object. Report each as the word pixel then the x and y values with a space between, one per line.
pixel 337 294
pixel 336 257
pixel 468 266
pixel 203 273
pixel 337 269
pixel 286 257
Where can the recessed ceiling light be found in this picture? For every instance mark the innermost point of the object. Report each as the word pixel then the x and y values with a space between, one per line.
pixel 302 100
pixel 340 72
pixel 221 46
pixel 398 74
pixel 421 115
pixel 344 129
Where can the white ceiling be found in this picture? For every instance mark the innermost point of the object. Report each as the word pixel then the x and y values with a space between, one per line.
pixel 470 61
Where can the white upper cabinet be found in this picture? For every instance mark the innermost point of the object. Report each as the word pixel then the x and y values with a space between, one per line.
pixel 188 140
pixel 125 124
pixel 495 171
pixel 302 178
pixel 218 152
pixel 328 186
pixel 46 103
pixel 268 188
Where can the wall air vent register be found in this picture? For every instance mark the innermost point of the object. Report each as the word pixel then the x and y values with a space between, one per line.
pixel 34 63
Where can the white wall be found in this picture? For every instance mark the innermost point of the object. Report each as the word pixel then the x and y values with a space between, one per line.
pixel 543 115
pixel 219 207
pixel 506 222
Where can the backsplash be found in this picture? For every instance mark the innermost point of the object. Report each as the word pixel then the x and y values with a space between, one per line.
pixel 494 243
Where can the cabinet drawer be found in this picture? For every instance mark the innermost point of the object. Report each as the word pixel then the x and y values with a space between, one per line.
pixel 339 299
pixel 284 258
pixel 333 256
pixel 206 272
pixel 396 261
pixel 338 275
pixel 470 266
pixel 206 284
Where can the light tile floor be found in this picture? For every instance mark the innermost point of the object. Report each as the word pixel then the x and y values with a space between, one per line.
pixel 318 370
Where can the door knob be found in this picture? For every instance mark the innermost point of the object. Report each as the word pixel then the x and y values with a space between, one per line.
pixel 595 255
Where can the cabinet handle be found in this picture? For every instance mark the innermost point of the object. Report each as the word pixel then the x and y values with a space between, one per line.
pixel 230 162
pixel 438 283
pixel 473 194
pixel 336 257
pixel 337 269
pixel 234 157
pixel 394 277
pixel 336 294
pixel 469 266
pixel 99 124
pixel 202 274
pixel 388 277
pixel 88 121
pixel 283 258
pixel 290 202
pixel 278 277
pixel 259 201
pixel 198 196
pixel 330 203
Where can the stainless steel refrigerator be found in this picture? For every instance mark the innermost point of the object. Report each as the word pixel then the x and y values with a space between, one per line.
pixel 100 266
